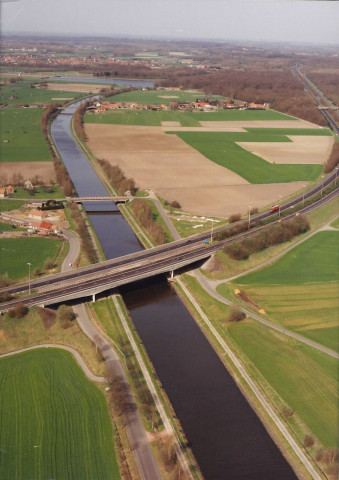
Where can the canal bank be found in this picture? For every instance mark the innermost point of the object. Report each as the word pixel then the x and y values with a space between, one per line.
pixel 226 436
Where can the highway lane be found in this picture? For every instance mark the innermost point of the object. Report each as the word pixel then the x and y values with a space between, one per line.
pixel 193 243
pixel 111 274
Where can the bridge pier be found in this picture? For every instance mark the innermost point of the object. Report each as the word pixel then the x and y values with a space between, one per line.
pixel 171 278
pixel 93 297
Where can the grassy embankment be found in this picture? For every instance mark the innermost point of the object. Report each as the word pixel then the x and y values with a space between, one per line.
pixel 222 149
pixel 15 253
pixel 55 423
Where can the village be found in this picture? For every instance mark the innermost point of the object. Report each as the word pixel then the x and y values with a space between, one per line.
pixel 200 104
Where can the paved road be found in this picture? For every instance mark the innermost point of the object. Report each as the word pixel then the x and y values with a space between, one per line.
pixel 164 215
pixel 74 250
pixel 148 468
pixel 267 407
pixel 76 354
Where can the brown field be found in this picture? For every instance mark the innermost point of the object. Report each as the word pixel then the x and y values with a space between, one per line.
pixel 303 150
pixel 176 171
pixel 75 87
pixel 29 169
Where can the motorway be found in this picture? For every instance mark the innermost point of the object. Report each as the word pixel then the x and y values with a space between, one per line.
pixel 102 276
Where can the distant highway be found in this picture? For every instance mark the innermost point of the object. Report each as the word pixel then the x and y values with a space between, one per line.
pixel 318 96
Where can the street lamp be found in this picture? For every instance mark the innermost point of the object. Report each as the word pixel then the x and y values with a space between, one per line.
pixel 212 231
pixel 336 174
pixel 304 186
pixel 249 216
pixel 29 277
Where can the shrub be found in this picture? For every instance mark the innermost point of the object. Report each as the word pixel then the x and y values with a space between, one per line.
pixel 308 441
pixel 175 204
pixel 65 316
pixel 237 251
pixel 235 217
pixel 19 311
pixel 236 315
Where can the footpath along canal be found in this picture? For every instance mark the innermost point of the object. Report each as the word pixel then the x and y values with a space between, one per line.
pixel 225 435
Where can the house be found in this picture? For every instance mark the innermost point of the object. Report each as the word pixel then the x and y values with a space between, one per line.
pixel 3 192
pixel 44 225
pixel 10 189
pixel 37 214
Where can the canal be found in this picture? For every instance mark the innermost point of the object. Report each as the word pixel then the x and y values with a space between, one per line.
pixel 226 437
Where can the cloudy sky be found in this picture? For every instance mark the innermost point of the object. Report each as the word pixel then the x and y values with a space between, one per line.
pixel 295 21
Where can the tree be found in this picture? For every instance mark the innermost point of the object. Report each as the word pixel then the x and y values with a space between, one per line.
pixel 308 441
pixel 235 315
pixel 19 311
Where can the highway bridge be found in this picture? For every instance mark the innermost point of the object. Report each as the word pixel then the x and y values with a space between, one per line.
pixel 115 199
pixel 96 278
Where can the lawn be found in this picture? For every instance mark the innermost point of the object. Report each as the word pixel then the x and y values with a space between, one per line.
pixel 54 422
pixel 4 227
pixel 335 224
pixel 20 192
pixel 222 149
pixel 315 261
pixel 7 205
pixel 26 143
pixel 306 379
pixel 15 253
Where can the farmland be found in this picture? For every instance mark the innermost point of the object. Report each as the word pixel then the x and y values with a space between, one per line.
pixel 306 380
pixel 222 149
pixel 21 136
pixel 158 97
pixel 186 119
pixel 307 302
pixel 23 93
pixel 54 422
pixel 15 253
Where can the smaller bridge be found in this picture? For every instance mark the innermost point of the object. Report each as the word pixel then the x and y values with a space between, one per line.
pixel 115 199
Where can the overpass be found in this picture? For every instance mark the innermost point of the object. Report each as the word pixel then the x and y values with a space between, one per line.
pixel 97 278
pixel 115 199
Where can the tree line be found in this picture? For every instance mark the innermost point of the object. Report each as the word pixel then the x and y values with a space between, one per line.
pixel 117 178
pixel 143 212
pixel 81 228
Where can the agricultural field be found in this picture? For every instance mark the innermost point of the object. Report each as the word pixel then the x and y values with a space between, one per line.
pixel 54 422
pixel 21 138
pixel 159 97
pixel 25 94
pixel 15 253
pixel 8 205
pixel 305 379
pixel 212 163
pixel 223 149
pixel 307 301
pixel 185 119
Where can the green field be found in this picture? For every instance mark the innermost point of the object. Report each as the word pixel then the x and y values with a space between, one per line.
pixel 300 290
pixel 321 132
pixel 5 227
pixel 25 94
pixel 54 422
pixel 222 149
pixel 26 143
pixel 186 119
pixel 6 205
pixel 314 261
pixel 306 379
pixel 15 253
pixel 20 192
pixel 335 224
pixel 158 97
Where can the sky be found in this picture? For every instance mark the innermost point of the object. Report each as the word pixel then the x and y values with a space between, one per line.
pixel 314 22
